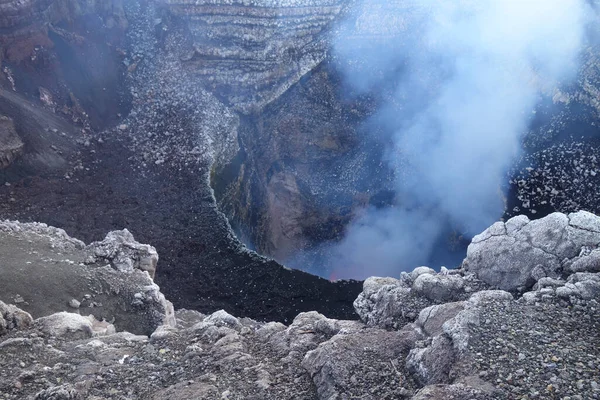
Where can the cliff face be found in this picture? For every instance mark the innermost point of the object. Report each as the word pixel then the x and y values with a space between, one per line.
pixel 306 163
pixel 303 174
pixel 252 52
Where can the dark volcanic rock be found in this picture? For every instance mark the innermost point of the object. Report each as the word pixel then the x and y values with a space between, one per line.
pixel 65 55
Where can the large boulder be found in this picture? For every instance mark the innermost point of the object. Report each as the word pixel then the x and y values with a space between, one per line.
pixel 515 255
pixel 124 254
pixel 391 303
pixel 72 326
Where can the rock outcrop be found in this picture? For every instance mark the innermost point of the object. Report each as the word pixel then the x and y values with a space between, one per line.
pixel 391 303
pixel 516 254
pixel 423 336
pixel 61 54
pixel 250 53
pixel 13 318
pixel 45 271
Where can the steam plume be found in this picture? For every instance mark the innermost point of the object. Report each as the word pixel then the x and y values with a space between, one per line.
pixel 468 76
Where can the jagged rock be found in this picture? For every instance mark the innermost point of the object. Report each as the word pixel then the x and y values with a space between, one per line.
pixel 187 318
pixel 391 303
pixel 459 327
pixel 514 255
pixel 431 319
pixel 222 318
pixel 449 328
pixel 120 249
pixel 163 332
pixel 439 288
pixel 431 365
pixel 12 318
pixel 586 262
pixel 385 303
pixel 579 288
pixel 348 363
pixel 64 392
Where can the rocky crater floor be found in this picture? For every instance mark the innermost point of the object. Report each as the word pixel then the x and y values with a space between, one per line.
pixel 519 320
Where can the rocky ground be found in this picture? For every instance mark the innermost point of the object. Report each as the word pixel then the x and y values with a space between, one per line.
pixel 112 122
pixel 426 335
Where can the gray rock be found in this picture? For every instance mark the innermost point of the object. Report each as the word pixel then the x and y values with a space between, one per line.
pixel 13 318
pixel 188 318
pixel 163 332
pixel 586 263
pixel 66 325
pixel 390 303
pixel 46 268
pixel 514 255
pixel 346 364
pixel 74 303
pixel 387 307
pixel 120 249
pixel 63 392
pixel 222 318
pixel 439 288
pixel 414 274
pixel 431 319
pixel 432 365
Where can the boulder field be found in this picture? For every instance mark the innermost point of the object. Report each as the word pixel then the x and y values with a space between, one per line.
pixel 518 320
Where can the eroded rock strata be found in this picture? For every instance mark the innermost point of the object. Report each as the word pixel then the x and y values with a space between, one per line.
pixel 427 335
pixel 252 52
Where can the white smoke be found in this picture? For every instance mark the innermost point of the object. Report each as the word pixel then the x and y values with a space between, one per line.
pixel 469 75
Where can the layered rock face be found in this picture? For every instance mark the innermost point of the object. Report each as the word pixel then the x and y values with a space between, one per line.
pixel 425 336
pixel 250 53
